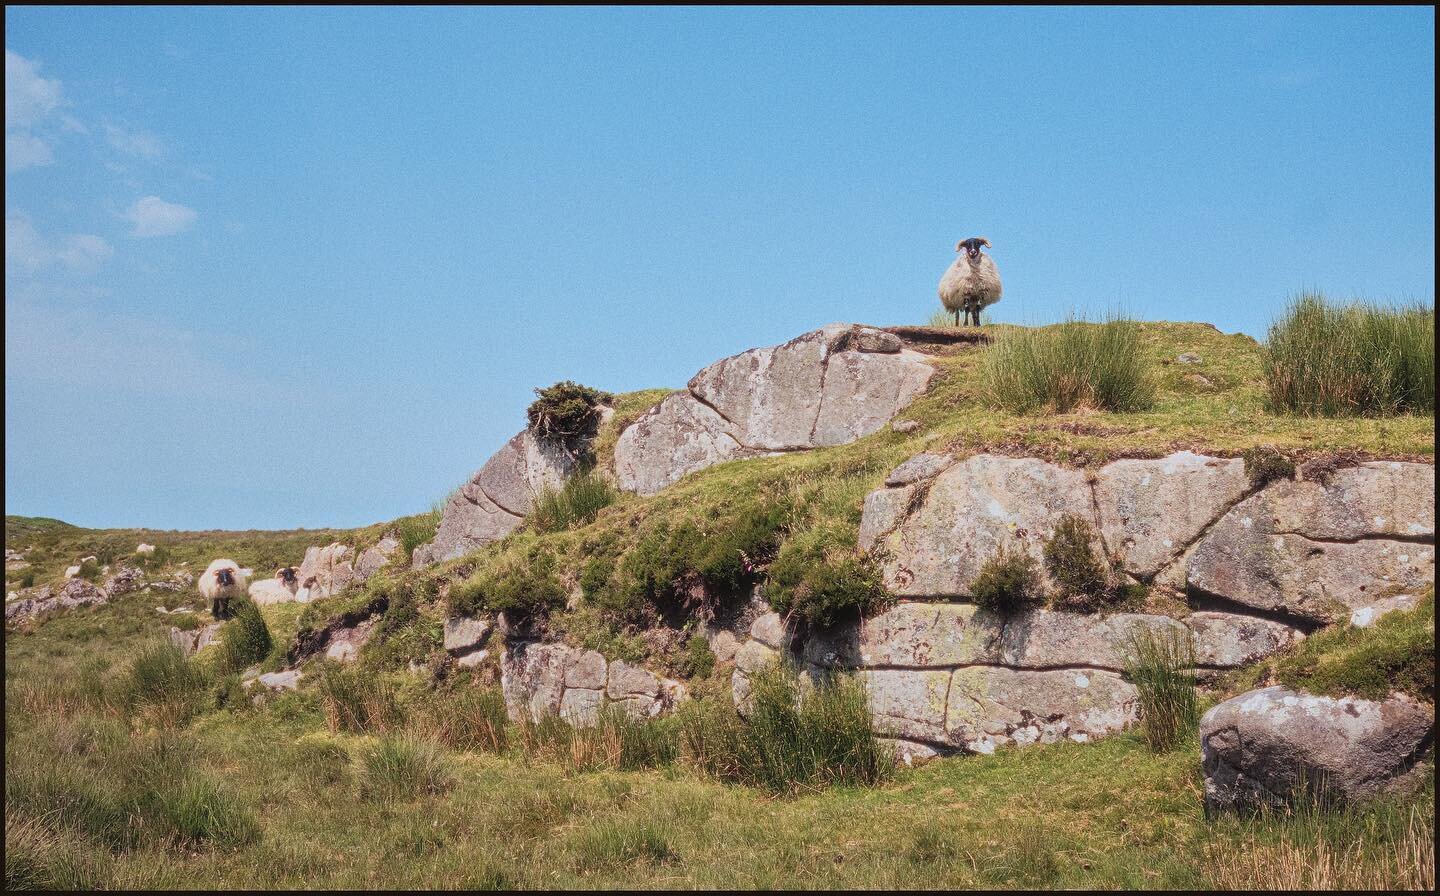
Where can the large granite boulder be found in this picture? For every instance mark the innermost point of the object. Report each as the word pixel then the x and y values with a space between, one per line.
pixel 1265 747
pixel 374 557
pixel 1323 550
pixel 496 499
pixel 827 387
pixel 325 572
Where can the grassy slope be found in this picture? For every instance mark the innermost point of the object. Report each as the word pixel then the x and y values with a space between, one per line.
pixel 1095 816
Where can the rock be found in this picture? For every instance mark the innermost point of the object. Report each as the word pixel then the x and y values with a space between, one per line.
pixel 990 706
pixel 125 580
pixel 827 387
pixel 465 633
pixel 626 680
pixel 921 466
pixel 1263 747
pixel 970 510
pixel 1151 510
pixel 724 645
pixel 905 426
pixel 374 557
pixel 195 640
pixel 1189 358
pixel 884 509
pixel 288 680
pixel 1044 639
pixel 143 548
pixel 72 571
pixel 325 571
pixel 581 706
pixel 908 703
pixel 497 498
pixel 532 678
pixel 1379 499
pixel 770 630
pixel 1364 617
pixel 586 671
pixel 1226 640
pixel 472 659
pixel 910 752
pixel 754 656
pixel 345 644
pixel 924 635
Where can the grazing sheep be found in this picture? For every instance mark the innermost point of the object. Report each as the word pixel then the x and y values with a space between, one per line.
pixel 972 282
pixel 221 581
pixel 280 589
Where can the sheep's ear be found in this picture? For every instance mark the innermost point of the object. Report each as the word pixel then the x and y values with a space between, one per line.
pixel 959 245
pixel 985 241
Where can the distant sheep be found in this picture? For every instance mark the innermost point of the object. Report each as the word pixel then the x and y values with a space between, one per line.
pixel 972 282
pixel 279 589
pixel 221 581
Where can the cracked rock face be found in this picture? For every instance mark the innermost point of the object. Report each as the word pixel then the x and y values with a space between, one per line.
pixel 541 680
pixel 496 499
pixel 1262 747
pixel 325 571
pixel 827 387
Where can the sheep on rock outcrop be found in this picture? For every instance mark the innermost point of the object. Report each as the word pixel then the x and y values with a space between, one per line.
pixel 221 581
pixel 971 283
pixel 280 589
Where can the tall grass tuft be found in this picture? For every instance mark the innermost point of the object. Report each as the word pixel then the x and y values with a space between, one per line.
pixel 1331 360
pixel 616 740
pixel 575 503
pixel 1161 666
pixel 164 685
pixel 358 701
pixel 245 639
pixel 404 767
pixel 794 739
pixel 466 718
pixel 1070 365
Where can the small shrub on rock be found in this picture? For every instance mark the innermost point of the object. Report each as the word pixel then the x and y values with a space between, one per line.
pixel 1265 464
pixel 1008 582
pixel 822 581
pixel 1070 558
pixel 567 414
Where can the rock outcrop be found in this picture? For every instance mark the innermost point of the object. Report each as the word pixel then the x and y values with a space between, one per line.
pixel 73 593
pixel 496 499
pixel 325 572
pixel 1267 747
pixel 541 680
pixel 374 557
pixel 194 640
pixel 827 387
pixel 465 638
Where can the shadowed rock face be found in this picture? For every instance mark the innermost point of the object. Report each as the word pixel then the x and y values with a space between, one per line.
pixel 1265 746
pixel 827 387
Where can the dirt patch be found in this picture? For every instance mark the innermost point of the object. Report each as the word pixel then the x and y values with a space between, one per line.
pixel 940 340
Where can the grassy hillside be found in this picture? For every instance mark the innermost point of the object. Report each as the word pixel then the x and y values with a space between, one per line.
pixel 104 790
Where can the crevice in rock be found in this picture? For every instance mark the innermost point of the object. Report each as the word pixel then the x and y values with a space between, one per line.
pixel 824 371
pixel 1205 601
pixel 491 498
pixel 1423 540
pixel 1179 551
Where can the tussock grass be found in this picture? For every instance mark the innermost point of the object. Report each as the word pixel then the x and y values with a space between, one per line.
pixel 465 718
pixel 401 767
pixel 577 502
pixel 1161 666
pixel 358 701
pixel 164 686
pixel 616 740
pixel 1362 359
pixel 793 739
pixel 1072 365
pixel 245 638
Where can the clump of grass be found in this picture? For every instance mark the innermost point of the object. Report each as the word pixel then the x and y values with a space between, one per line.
pixel 621 842
pixel 1264 464
pixel 164 684
pixel 615 740
pixel 198 810
pixel 465 718
pixel 40 857
pixel 1071 560
pixel 522 579
pixel 698 660
pixel 89 571
pixel 793 739
pixel 822 581
pixel 245 638
pixel 575 503
pixel 1071 365
pixel 1332 360
pixel 1162 668
pixel 1008 582
pixel 358 701
pixel 403 767
pixel 419 529
pixel 567 414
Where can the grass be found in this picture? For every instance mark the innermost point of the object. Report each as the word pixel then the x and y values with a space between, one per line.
pixel 245 638
pixel 1395 653
pixel 577 502
pixel 402 767
pixel 1161 666
pixel 1361 359
pixel 1073 365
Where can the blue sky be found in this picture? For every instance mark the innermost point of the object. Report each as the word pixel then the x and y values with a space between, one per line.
pixel 275 268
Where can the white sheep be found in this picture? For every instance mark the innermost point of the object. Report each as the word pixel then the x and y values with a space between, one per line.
pixel 280 589
pixel 221 581
pixel 972 282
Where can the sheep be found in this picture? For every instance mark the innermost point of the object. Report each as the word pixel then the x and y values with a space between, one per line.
pixel 276 590
pixel 971 283
pixel 221 581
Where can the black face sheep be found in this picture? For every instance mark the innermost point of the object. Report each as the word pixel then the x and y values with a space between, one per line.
pixel 221 581
pixel 972 282
pixel 280 589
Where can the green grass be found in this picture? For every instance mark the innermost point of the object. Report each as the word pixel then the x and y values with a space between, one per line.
pixel 1395 653
pixel 402 767
pixel 1072 365
pixel 1361 359
pixel 1161 666
pixel 245 638
pixel 577 502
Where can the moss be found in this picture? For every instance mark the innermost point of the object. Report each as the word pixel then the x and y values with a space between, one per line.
pixel 1009 581
pixel 1396 653
pixel 1264 464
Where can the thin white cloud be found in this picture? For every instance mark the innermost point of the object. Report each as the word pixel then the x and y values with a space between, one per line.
pixel 29 250
pixel 134 143
pixel 30 101
pixel 153 216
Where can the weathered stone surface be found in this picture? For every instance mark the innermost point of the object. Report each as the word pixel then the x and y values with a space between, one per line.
pixel 465 633
pixel 325 571
pixel 908 703
pixel 1373 500
pixel 1261 747
pixel 125 580
pixel 724 645
pixel 921 466
pixel 1150 510
pixel 1225 640
pixel 826 387
pixel 991 705
pixel 496 499
pixel 1043 639
pixel 973 508
pixel 883 510
pixel 345 644
pixel 906 426
pixel 472 659
pixel 587 670
pixel 1366 616
pixel 195 640
pixel 625 680
pixel 770 630
pixel 924 635
pixel 754 656
pixel 532 678
pixel 73 593
pixel 581 706
pixel 287 680
pixel 374 557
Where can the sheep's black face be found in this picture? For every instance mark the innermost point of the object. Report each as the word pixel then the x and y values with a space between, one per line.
pixel 972 247
pixel 225 577
pixel 287 575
